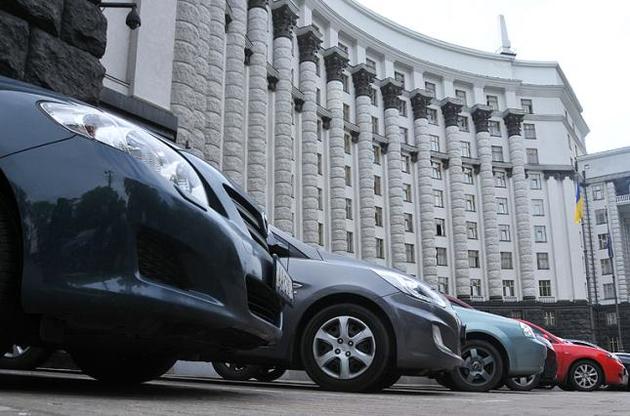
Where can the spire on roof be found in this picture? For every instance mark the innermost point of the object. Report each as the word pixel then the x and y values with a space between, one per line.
pixel 506 45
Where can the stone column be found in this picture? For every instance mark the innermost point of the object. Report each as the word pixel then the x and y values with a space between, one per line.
pixel 234 104
pixel 363 76
pixel 257 30
pixel 309 41
pixel 390 90
pixel 420 99
pixel 525 255
pixel 617 242
pixel 481 114
pixel 284 18
pixel 336 61
pixel 451 108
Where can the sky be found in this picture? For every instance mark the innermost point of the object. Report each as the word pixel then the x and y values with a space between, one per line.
pixel 590 40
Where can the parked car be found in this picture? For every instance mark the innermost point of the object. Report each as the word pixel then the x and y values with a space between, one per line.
pixel 582 367
pixel 545 379
pixel 624 357
pixel 120 247
pixel 355 326
pixel 496 349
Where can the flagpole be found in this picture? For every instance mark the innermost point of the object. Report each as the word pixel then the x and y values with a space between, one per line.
pixel 611 254
pixel 585 255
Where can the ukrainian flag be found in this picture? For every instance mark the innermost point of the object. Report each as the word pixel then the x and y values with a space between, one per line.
pixel 579 204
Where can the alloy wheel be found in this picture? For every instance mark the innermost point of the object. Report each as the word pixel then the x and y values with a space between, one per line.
pixel 480 365
pixel 585 376
pixel 16 351
pixel 524 381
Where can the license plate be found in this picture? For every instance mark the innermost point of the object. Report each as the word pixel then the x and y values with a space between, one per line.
pixel 284 283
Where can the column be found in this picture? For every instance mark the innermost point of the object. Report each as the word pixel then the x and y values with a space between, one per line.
pixel 481 114
pixel 451 108
pixel 309 41
pixel 257 26
pixel 513 119
pixel 284 18
pixel 213 130
pixel 616 238
pixel 362 76
pixel 390 90
pixel 336 61
pixel 234 104
pixel 420 99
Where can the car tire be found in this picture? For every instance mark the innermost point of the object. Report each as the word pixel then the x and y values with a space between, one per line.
pixel 25 358
pixel 483 370
pixel 585 375
pixel 117 368
pixel 566 387
pixel 269 374
pixel 523 383
pixel 445 380
pixel 346 347
pixel 9 275
pixel 236 372
pixel 389 380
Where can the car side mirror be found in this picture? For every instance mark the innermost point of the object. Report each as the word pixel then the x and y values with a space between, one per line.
pixel 279 250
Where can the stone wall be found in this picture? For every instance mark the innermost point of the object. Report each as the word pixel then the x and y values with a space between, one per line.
pixel 55 44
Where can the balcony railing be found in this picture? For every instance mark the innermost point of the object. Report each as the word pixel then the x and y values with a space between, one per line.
pixel 474 298
pixel 510 299
pixel 623 199
pixel 547 299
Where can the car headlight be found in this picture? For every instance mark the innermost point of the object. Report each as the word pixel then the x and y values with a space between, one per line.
pixel 411 286
pixel 132 139
pixel 527 330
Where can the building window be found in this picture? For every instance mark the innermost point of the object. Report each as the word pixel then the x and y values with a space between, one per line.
pixel 319 130
pixel 504 232
pixel 432 116
pixel 465 149
pixel 377 185
pixel 497 154
pixel 347 143
pixel 542 260
pixel 470 203
pixel 443 284
pixel 606 266
pixel 378 216
pixel 406 163
pixel 544 288
pixel 435 143
pixel 380 248
pixel 468 175
pixel 601 216
pixel 508 288
pixel 535 181
pixel 320 199
pixel 373 95
pixel 408 222
pixel 461 94
pixel 370 63
pixel 348 208
pixel 374 125
pixel 529 130
pixel 402 108
pixel 410 253
pixel 320 164
pixel 350 241
pixel 377 154
pixel 538 207
pixel 549 319
pixel 611 318
pixel 471 230
pixel 343 47
pixel 440 255
pixel 430 86
pixel 540 233
pixel 527 106
pixel 318 96
pixel 506 260
pixel 493 102
pixel 320 234
pixel 399 76
pixel 598 193
pixel 532 156
pixel 475 287
pixel 473 259
pixel 440 227
pixel 404 132
pixel 407 192
pixel 462 123
pixel 436 170
pixel 346 112
pixel 495 128
pixel 502 206
pixel 602 239
pixel 500 180
pixel 348 171
pixel 345 81
pixel 609 291
pixel 438 198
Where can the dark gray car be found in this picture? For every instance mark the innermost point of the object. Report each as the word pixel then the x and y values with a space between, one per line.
pixel 356 326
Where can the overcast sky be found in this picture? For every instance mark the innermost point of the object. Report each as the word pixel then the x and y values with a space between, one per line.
pixel 590 40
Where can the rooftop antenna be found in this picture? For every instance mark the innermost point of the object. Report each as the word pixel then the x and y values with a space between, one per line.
pixel 506 45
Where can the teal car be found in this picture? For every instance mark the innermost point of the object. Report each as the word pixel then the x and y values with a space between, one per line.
pixel 496 348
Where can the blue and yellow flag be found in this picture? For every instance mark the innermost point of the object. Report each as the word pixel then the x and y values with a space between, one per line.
pixel 579 204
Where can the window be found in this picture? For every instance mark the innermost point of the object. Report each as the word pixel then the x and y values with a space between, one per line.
pixel 549 319
pixel 440 254
pixel 535 181
pixel 346 112
pixel 432 116
pixel 350 241
pixel 461 94
pixel 377 154
pixel 410 253
pixel 544 288
pixel 506 260
pixel 318 96
pixel 493 102
pixel 527 106
pixel 603 241
pixel 601 216
pixel 399 76
pixel 538 207
pixel 532 156
pixel 435 143
pixel 320 164
pixel 500 180
pixel 370 63
pixel 598 193
pixel 443 284
pixel 320 199
pixel 402 108
pixel 606 266
pixel 440 227
pixel 475 287
pixel 373 95
pixel 473 259
pixel 613 344
pixel 497 154
pixel 504 232
pixel 348 208
pixel 320 234
pixel 468 175
pixel 430 86
pixel 406 166
pixel 542 260
pixel 436 170
pixel 609 291
pixel 348 176
pixel 347 143
pixel 343 47
pixel 374 125
pixel 407 192
pixel 409 222
pixel 378 216
pixel 377 185
pixel 438 198
pixel 465 148
pixel 404 133
pixel 502 206
pixel 471 230
pixel 611 318
pixel 345 81
pixel 470 203
pixel 529 130
pixel 380 248
pixel 540 233
pixel 508 288
pixel 462 123
pixel 495 128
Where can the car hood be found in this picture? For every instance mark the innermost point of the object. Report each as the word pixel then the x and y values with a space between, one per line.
pixel 472 317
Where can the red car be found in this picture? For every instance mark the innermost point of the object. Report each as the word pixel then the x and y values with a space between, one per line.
pixel 582 367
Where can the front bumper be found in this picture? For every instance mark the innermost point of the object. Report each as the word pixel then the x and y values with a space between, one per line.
pixel 617 375
pixel 527 356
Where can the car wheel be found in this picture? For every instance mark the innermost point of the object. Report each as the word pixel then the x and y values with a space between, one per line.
pixel 120 368
pixel 9 275
pixel 483 368
pixel 445 380
pixel 236 372
pixel 268 374
pixel 566 387
pixel 523 383
pixel 346 347
pixel 585 375
pixel 24 357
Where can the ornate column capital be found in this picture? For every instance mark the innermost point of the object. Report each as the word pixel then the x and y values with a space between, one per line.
pixel 309 41
pixel 420 100
pixel 285 14
pixel 451 107
pixel 362 76
pixel 391 89
pixel 480 115
pixel 257 3
pixel 513 118
pixel 336 60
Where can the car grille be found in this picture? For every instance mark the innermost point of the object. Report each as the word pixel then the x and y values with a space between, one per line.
pixel 159 259
pixel 263 301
